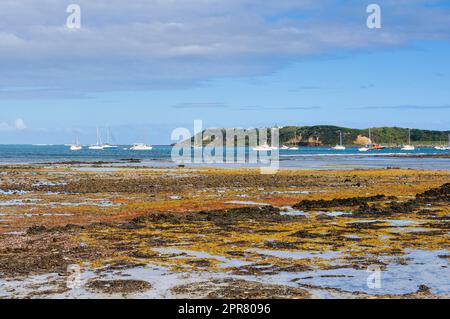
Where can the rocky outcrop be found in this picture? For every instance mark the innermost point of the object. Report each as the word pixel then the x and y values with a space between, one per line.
pixel 362 140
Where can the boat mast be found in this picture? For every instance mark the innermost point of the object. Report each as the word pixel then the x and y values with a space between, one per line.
pixel 98 137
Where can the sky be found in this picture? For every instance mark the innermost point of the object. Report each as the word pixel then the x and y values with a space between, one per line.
pixel 145 67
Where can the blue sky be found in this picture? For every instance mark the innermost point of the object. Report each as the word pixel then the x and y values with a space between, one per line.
pixel 143 68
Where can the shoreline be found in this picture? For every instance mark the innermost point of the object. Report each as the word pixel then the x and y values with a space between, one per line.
pixel 297 234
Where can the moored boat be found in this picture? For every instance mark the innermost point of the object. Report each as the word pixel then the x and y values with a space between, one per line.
pixel 76 146
pixel 262 148
pixel 364 149
pixel 108 141
pixel 339 147
pixel 408 147
pixel 141 147
pixel 99 145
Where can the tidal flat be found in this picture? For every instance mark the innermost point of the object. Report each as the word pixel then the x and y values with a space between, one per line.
pixel 99 231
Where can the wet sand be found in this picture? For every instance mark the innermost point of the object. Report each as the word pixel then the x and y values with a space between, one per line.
pixel 168 232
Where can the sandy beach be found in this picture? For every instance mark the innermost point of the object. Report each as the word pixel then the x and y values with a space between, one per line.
pixel 71 230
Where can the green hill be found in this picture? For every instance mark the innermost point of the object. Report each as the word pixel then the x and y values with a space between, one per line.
pixel 327 135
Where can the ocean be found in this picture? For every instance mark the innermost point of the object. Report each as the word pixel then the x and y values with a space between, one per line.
pixel 306 157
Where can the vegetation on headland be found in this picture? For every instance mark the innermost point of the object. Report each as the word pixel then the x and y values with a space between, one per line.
pixel 326 135
pixel 329 135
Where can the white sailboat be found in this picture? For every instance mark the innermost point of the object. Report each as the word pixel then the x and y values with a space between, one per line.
pixel 367 147
pixel 284 147
pixel 364 149
pixel 443 148
pixel 141 147
pixel 408 147
pixel 262 148
pixel 108 140
pixel 339 147
pixel 99 145
pixel 295 148
pixel 76 146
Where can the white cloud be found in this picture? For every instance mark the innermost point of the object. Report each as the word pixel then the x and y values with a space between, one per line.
pixel 18 125
pixel 145 44
pixel 5 127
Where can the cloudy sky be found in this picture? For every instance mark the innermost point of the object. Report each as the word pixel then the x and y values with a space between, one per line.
pixel 145 67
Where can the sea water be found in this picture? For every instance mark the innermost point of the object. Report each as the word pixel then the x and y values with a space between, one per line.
pixel 305 157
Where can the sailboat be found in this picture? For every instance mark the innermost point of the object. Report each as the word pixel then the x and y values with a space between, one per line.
pixel 377 146
pixel 339 147
pixel 99 145
pixel 408 147
pixel 367 147
pixel 76 146
pixel 295 148
pixel 108 140
pixel 141 147
pixel 442 147
pixel 364 149
pixel 262 148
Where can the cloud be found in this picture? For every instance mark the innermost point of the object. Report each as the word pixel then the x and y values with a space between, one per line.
pixel 367 86
pixel 153 44
pixel 405 107
pixel 18 125
pixel 199 105
pixel 38 93
pixel 305 88
pixel 217 105
pixel 280 108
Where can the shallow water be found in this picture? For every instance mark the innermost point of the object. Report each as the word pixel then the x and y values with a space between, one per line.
pixel 238 202
pixel 86 203
pixel 337 214
pixel 49 183
pixel 225 262
pixel 423 268
pixel 19 202
pixel 305 157
pixel 289 211
pixel 297 254
pixel 96 169
pixel 402 222
pixel 12 192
